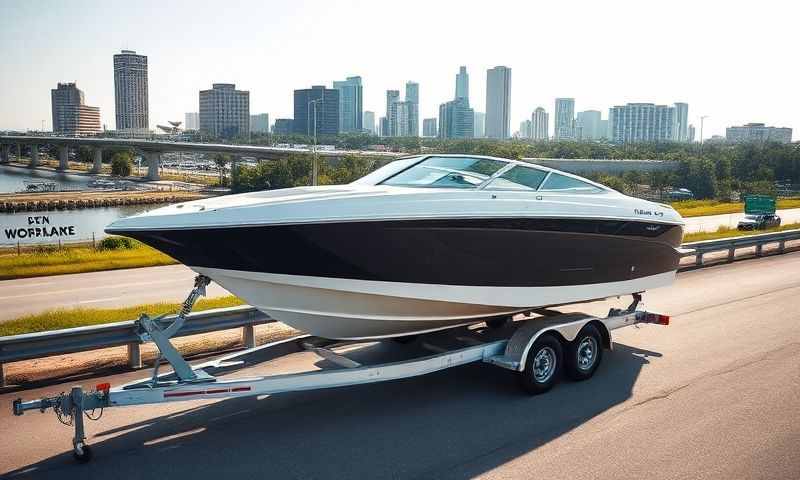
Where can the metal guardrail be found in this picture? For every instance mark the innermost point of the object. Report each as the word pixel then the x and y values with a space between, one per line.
pixel 71 340
pixel 699 249
pixel 43 344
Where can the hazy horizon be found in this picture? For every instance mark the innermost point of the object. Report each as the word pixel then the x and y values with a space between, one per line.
pixel 731 62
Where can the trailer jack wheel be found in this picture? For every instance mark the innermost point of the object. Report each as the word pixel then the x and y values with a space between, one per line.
pixel 82 453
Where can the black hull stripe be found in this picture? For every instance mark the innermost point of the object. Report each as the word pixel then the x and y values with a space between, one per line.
pixel 478 252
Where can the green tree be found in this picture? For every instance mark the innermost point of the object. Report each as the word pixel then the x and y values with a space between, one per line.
pixel 121 164
pixel 221 160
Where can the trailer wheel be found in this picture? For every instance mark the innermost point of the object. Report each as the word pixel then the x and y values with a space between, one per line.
pixel 542 365
pixel 82 453
pixel 584 354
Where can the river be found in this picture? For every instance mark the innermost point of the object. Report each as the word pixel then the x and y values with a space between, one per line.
pixel 12 178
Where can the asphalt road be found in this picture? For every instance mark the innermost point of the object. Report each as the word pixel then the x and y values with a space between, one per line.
pixel 711 223
pixel 715 395
pixel 98 289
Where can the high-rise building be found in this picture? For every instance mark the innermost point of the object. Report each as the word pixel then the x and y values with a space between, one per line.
pixel 498 98
pixel 225 111
pixel 642 122
pixel 383 127
pixel 603 130
pixel 539 124
pixel 283 126
pixel 404 112
pixel 525 129
pixel 479 123
pixel 462 83
pixel 757 133
pixel 191 121
pixel 350 104
pixel 392 97
pixel 681 129
pixel 368 123
pixel 412 98
pixel 588 125
pixel 456 119
pixel 429 127
pixel 130 91
pixel 564 122
pixel 71 116
pixel 323 101
pixel 259 123
pixel 691 134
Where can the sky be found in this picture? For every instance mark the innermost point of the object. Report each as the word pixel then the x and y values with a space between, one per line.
pixel 734 61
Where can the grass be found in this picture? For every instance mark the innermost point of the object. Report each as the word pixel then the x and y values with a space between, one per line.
pixel 78 260
pixel 80 317
pixel 726 232
pixel 699 208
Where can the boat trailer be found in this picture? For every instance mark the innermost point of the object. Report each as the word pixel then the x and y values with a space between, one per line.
pixel 538 348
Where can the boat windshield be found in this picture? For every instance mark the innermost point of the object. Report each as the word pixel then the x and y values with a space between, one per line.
pixel 447 172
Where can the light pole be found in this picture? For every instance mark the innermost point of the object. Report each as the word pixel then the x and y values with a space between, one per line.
pixel 702 120
pixel 315 160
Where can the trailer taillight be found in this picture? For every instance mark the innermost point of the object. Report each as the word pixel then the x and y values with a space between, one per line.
pixel 658 319
pixel 103 387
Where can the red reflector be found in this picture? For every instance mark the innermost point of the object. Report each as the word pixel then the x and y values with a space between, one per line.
pixel 103 387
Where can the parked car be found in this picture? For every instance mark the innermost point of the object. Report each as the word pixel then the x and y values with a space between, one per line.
pixel 681 194
pixel 759 222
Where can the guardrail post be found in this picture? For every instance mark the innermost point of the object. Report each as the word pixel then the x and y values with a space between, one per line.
pixel 759 250
pixel 698 259
pixel 781 246
pixel 731 254
pixel 249 336
pixel 134 355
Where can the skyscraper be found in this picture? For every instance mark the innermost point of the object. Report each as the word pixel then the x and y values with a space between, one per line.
pixel 130 91
pixel 498 97
pixel 525 129
pixel 259 123
pixel 429 127
pixel 681 122
pixel 392 97
pixel 191 121
pixel 369 122
pixel 588 125
pixel 691 134
pixel 642 122
pixel 564 126
pixel 456 119
pixel 412 98
pixel 479 123
pixel 539 124
pixel 225 111
pixel 327 111
pixel 71 116
pixel 350 104
pixel 283 126
pixel 462 83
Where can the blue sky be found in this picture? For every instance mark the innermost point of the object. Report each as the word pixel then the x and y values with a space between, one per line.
pixel 734 61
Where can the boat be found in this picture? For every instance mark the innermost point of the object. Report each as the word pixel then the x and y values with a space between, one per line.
pixel 423 243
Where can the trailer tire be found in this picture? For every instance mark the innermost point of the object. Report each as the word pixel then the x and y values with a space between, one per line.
pixel 542 365
pixel 584 354
pixel 84 456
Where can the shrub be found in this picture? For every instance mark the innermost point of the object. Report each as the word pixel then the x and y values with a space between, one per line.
pixel 121 164
pixel 115 243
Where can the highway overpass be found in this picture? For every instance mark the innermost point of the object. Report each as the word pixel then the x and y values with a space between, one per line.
pixel 152 149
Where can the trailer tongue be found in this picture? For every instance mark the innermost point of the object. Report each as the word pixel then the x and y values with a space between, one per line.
pixel 538 348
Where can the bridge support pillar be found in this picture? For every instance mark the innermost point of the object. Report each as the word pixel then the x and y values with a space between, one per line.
pixel 98 160
pixel 153 162
pixel 19 153
pixel 34 156
pixel 4 153
pixel 63 157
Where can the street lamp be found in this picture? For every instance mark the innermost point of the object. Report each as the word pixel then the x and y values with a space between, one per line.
pixel 315 160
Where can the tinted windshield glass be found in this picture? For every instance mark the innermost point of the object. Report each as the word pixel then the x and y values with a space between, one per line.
pixel 447 172
pixel 568 184
pixel 518 178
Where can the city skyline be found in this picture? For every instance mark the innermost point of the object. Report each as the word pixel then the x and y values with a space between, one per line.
pixel 719 88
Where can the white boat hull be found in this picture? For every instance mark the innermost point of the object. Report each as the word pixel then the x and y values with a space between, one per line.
pixel 361 309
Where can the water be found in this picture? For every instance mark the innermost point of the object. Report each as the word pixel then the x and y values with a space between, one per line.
pixel 69 225
pixel 12 179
